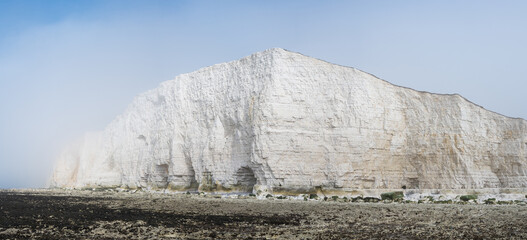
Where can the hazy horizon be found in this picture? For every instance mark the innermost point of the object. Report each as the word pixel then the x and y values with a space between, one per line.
pixel 69 67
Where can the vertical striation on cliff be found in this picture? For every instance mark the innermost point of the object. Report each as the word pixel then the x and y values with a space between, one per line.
pixel 285 122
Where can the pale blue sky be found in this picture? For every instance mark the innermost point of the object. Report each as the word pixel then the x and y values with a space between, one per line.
pixel 67 67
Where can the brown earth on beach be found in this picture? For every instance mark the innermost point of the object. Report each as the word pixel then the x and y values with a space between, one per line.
pixel 47 214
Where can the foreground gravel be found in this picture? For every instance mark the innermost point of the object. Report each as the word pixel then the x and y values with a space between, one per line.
pixel 44 214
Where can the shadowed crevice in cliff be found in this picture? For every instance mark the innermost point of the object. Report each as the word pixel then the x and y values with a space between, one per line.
pixel 160 176
pixel 245 179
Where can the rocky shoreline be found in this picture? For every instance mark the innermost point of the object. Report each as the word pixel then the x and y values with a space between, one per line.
pixel 59 214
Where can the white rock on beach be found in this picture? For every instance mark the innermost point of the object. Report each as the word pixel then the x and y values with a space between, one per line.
pixel 288 123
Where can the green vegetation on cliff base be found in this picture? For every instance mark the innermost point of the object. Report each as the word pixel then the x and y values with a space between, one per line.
pixel 394 196
pixel 467 198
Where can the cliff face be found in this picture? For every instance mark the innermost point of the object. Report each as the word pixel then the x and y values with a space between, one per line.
pixel 282 121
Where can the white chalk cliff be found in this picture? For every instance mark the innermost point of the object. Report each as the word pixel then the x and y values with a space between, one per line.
pixel 285 122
